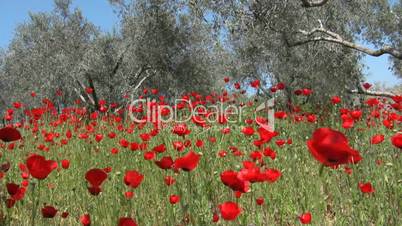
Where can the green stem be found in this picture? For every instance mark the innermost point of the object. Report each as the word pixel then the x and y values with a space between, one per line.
pixel 321 170
pixel 35 203
pixel 189 187
pixel 189 199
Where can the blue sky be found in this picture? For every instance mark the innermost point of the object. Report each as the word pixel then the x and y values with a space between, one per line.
pixel 99 12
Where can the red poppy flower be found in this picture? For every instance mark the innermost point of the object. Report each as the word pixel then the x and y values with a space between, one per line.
pixel 199 143
pixel 134 146
pixel 169 180
pixel 187 143
pixel 336 100
pixel 154 91
pixel 280 86
pixel 49 212
pixel 128 194
pixel 111 135
pixel 173 199
pixel 149 155
pixel 372 102
pixel 145 137
pixel 10 202
pixel 181 129
pixel 114 151
pixel 12 188
pixel 254 175
pixel 311 118
pixel 305 218
pixel 160 148
pixel 367 85
pixel 307 92
pixel 331 148
pixel 126 221
pixel 215 218
pixel 266 135
pixel 269 153
pixel 133 178
pixel 188 162
pixel 256 155
pixel 165 163
pixel 248 131
pixel 356 114
pixel 397 140
pixel 222 153
pixel 229 210
pixel 8 134
pixel 85 220
pixel 376 139
pixel 89 90
pixel 39 167
pixel 232 179
pixel 222 119
pixel 82 136
pixel 388 123
pixel 65 163
pixel 272 175
pixel 260 201
pixel 366 187
pixel 298 92
pixel 212 139
pixel 17 104
pixel 347 122
pixel 280 142
pixel 102 102
pixel 178 145
pixel 65 214
pixel 124 143
pixel 280 115
pixel 255 84
pixel 95 177
pixel 98 137
pixel 348 170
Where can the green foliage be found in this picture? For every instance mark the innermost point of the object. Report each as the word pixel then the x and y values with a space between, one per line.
pixel 180 46
pixel 332 198
pixel 44 54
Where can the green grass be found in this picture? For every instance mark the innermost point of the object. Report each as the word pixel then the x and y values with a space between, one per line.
pixel 333 198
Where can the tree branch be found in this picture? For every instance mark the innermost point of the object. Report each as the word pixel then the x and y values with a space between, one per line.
pixel 79 95
pixel 141 70
pixel 313 3
pixel 333 37
pixel 361 90
pixel 120 60
pixel 140 83
pixel 137 86
pixel 94 95
pixel 81 84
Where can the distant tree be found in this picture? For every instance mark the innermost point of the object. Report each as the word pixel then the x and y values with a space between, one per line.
pixel 176 50
pixel 159 46
pixel 179 46
pixel 309 42
pixel 44 54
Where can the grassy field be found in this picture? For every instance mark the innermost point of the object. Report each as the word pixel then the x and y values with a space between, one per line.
pixel 332 196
